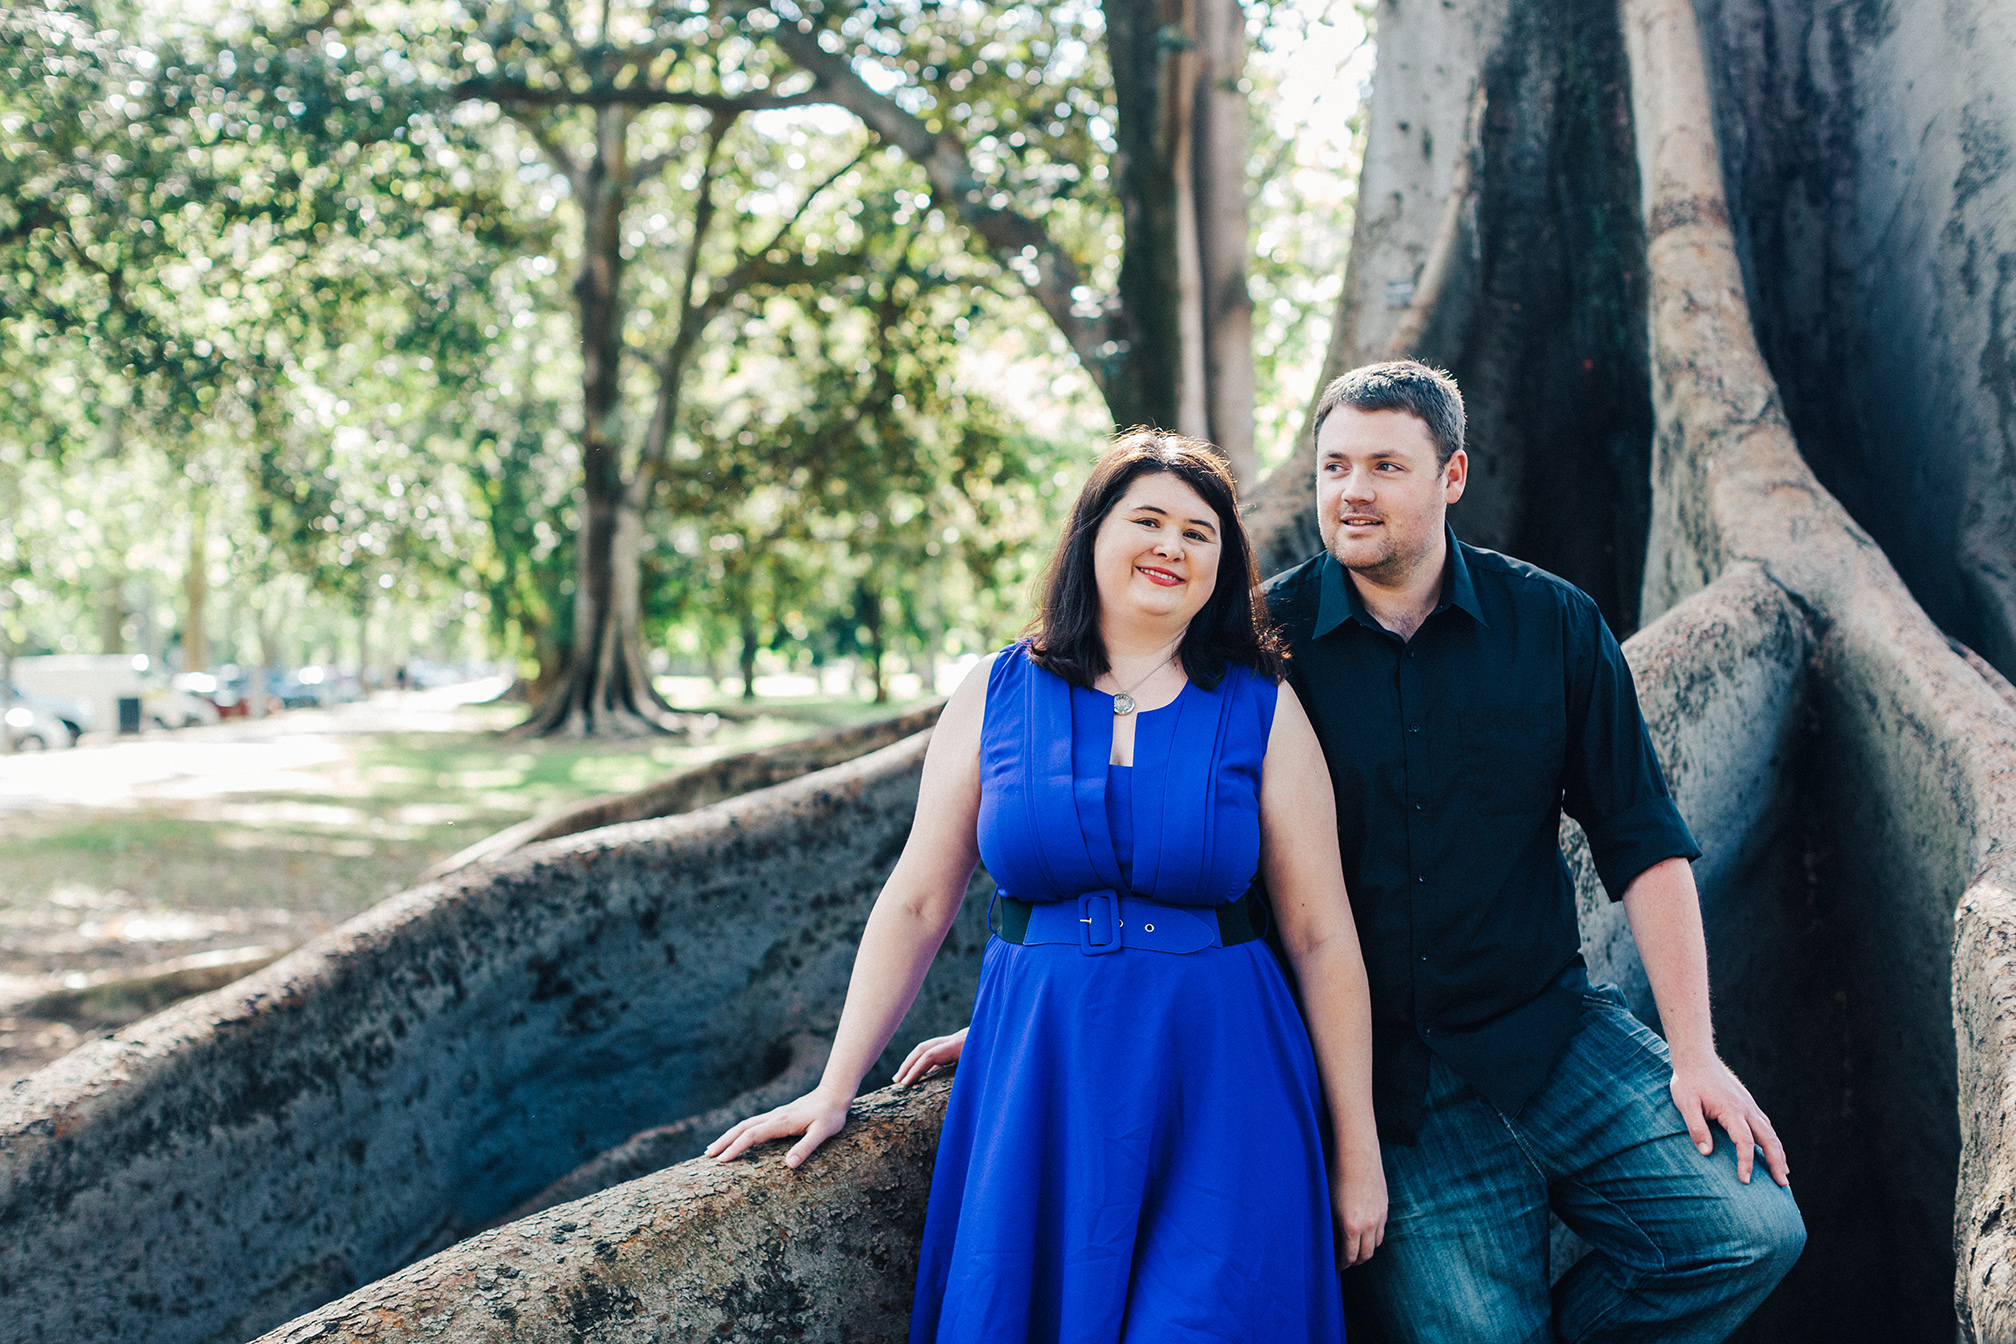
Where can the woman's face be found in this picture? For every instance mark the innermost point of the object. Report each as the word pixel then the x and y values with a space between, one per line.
pixel 1156 553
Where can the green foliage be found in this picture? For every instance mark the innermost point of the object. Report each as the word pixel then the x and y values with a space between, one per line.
pixel 860 492
pixel 292 280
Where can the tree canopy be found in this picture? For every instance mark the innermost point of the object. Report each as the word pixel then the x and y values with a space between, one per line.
pixel 332 332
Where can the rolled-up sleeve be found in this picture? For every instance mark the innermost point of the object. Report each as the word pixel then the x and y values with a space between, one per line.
pixel 1613 784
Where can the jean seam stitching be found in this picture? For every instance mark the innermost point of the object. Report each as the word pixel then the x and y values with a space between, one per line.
pixel 1513 1132
pixel 1637 1276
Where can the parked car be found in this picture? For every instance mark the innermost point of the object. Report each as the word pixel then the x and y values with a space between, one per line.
pixel 74 715
pixel 108 683
pixel 228 689
pixel 36 729
pixel 167 705
pixel 295 690
pixel 326 685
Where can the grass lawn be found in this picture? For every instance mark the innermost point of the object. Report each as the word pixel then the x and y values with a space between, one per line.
pixel 86 894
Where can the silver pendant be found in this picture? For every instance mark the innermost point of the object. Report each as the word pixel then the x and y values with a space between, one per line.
pixel 1123 703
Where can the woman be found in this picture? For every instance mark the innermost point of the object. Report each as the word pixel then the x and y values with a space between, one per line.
pixel 1134 1145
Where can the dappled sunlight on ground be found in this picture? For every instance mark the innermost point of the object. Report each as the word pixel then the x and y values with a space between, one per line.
pixel 130 862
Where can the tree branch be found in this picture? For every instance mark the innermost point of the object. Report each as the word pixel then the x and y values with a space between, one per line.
pixel 754 266
pixel 751 268
pixel 672 365
pixel 556 154
pixel 1017 241
pixel 513 94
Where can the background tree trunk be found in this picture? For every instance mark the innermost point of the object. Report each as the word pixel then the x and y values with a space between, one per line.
pixel 1184 313
pixel 1148 322
pixel 112 614
pixel 607 688
pixel 1220 115
pixel 196 595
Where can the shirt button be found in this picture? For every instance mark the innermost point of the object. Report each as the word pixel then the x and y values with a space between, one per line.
pixel 1424 956
pixel 1417 807
pixel 1420 879
pixel 1414 728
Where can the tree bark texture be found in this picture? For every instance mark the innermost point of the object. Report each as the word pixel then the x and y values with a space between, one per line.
pixel 1911 793
pixel 1870 152
pixel 1624 422
pixel 1184 316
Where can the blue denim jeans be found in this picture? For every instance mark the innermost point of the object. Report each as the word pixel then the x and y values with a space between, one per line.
pixel 1681 1250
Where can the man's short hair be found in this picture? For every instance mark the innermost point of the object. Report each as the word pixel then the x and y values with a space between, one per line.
pixel 1429 395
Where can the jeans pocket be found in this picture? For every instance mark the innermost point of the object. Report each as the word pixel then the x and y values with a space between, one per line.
pixel 1603 994
pixel 1620 1037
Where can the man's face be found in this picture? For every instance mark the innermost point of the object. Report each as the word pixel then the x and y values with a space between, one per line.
pixel 1380 496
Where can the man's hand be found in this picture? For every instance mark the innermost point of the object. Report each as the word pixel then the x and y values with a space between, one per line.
pixel 1358 1202
pixel 1665 917
pixel 1707 1091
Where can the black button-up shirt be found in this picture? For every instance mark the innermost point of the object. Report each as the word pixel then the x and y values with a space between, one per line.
pixel 1453 755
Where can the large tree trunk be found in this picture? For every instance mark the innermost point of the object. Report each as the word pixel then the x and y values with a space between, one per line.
pixel 1431 66
pixel 1185 315
pixel 1497 236
pixel 1542 312
pixel 607 688
pixel 1870 153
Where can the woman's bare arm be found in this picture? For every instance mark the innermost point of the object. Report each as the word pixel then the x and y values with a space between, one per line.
pixel 1305 880
pixel 909 921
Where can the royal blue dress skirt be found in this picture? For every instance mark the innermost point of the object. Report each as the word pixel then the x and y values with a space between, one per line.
pixel 1133 1149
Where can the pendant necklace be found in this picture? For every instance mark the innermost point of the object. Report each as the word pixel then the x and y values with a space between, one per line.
pixel 1123 703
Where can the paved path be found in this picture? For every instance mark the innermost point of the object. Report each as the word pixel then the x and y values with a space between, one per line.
pixel 267 755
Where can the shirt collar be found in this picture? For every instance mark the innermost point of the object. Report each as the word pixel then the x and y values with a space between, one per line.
pixel 1338 600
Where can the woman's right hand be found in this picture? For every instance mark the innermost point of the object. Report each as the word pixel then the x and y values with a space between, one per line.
pixel 817 1115
pixel 935 1053
pixel 1358 1203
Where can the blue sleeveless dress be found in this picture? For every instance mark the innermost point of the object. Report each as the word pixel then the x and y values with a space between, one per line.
pixel 1134 1145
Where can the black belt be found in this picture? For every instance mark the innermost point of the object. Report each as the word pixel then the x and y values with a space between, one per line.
pixel 1107 921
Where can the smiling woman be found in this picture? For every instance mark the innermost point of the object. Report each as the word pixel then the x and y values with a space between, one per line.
pixel 1121 906
pixel 1149 542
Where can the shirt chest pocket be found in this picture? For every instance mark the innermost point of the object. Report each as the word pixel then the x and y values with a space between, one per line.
pixel 1509 758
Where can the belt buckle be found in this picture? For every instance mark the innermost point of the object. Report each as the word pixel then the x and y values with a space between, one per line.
pixel 1100 923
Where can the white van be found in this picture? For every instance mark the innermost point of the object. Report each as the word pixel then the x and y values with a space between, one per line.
pixel 98 681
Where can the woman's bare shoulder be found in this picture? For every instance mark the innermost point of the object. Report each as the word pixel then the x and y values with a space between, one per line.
pixel 968 703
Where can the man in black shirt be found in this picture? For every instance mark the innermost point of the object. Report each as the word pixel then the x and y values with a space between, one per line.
pixel 1463 700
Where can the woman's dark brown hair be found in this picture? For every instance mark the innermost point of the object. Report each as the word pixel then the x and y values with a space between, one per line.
pixel 1233 626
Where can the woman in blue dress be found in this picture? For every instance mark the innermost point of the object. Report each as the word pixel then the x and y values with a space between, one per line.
pixel 1144 1141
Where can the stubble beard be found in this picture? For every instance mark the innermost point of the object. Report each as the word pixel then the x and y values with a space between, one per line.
pixel 1386 565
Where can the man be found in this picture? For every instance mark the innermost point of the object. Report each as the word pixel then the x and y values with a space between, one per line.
pixel 1463 700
